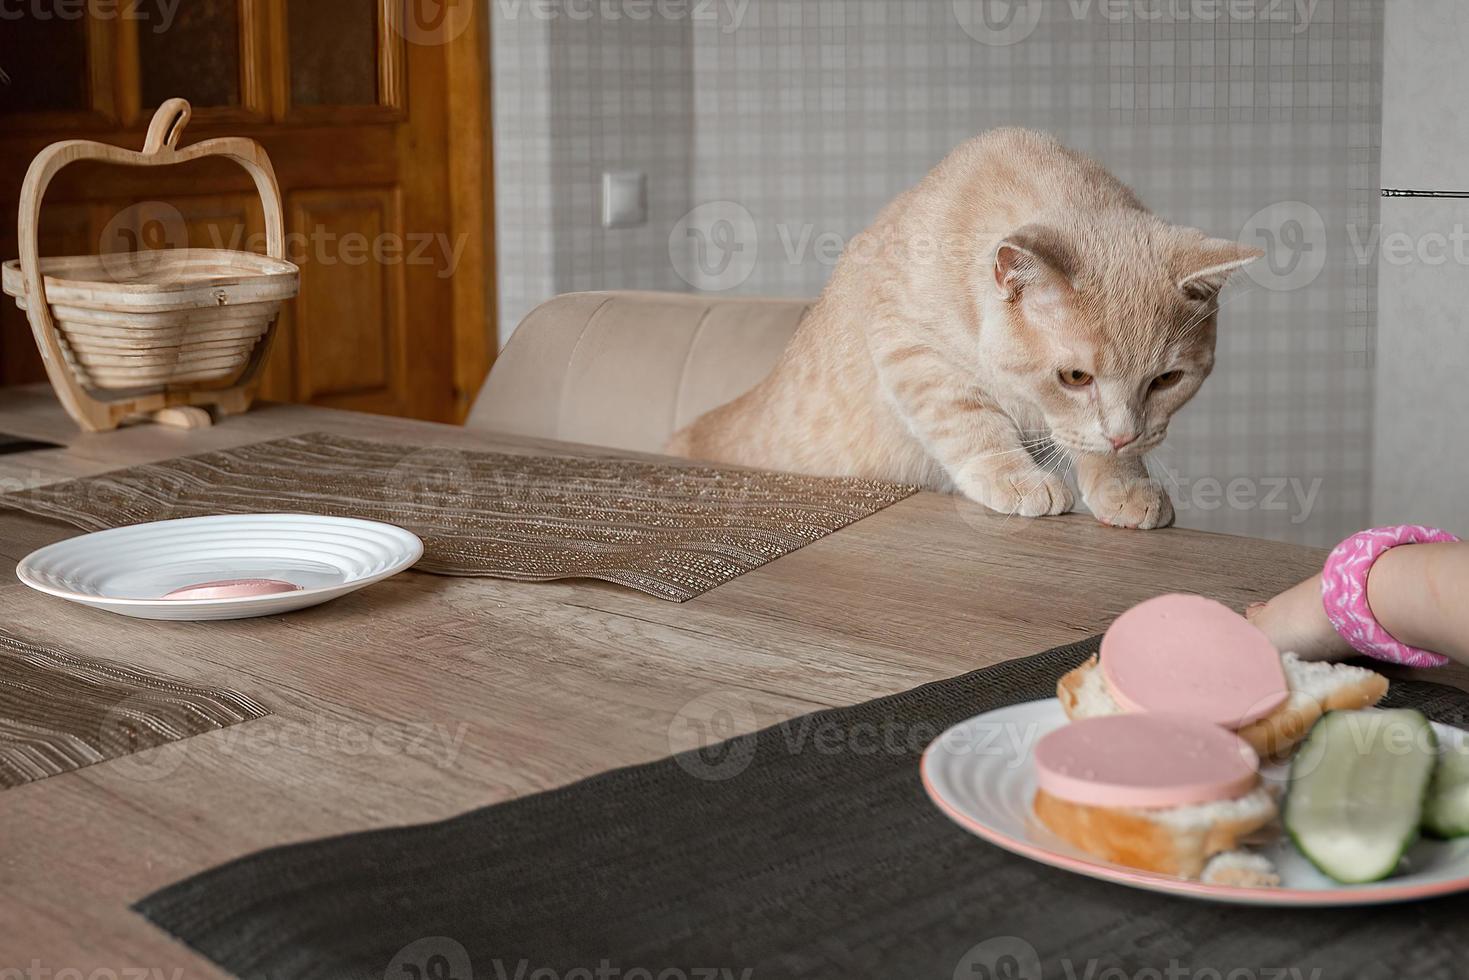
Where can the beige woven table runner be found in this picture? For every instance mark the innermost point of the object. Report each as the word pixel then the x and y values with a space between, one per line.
pixel 669 530
pixel 59 712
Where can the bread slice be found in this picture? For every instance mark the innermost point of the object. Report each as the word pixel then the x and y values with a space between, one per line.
pixel 1176 841
pixel 1240 869
pixel 1315 688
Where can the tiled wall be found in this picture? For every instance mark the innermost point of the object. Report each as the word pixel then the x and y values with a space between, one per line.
pixel 1422 407
pixel 525 227
pixel 575 96
pixel 1251 120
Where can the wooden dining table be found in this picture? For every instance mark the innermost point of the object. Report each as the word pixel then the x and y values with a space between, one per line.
pixel 425 696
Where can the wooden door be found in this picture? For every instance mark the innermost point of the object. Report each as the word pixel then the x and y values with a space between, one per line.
pixel 374 115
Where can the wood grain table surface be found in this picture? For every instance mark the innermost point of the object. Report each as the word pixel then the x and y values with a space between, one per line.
pixel 425 696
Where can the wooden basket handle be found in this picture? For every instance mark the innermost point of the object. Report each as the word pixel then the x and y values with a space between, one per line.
pixel 160 149
pixel 167 126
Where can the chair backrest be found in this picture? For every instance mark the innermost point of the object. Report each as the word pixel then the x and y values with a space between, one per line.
pixel 628 369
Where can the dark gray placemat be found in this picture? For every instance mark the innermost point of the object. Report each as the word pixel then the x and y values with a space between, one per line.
pixel 808 850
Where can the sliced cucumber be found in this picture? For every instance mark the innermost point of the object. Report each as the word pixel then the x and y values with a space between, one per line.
pixel 1446 814
pixel 1357 789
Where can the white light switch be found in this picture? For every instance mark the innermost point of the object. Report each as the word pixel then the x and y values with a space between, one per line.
pixel 624 198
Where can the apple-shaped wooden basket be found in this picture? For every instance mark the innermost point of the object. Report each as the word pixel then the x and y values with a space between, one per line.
pixel 153 333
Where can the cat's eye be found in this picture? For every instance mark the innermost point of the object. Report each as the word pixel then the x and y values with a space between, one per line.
pixel 1167 380
pixel 1075 378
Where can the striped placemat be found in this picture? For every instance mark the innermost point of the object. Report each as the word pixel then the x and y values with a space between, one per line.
pixel 60 712
pixel 671 530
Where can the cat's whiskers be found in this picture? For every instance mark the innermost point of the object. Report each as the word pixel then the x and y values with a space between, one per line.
pixel 1049 464
pixel 1167 477
pixel 1168 481
pixel 1002 452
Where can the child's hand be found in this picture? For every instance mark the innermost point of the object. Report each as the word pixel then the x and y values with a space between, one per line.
pixel 1417 594
pixel 1296 621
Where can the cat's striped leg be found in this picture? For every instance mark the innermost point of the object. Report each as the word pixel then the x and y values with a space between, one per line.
pixel 977 444
pixel 997 470
pixel 1119 492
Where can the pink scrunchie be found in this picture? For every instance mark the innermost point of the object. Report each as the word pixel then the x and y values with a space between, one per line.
pixel 1344 592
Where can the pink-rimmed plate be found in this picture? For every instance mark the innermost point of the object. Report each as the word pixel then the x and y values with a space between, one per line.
pixel 980 774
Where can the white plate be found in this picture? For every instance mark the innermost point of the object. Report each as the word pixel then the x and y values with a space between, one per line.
pixel 980 774
pixel 127 569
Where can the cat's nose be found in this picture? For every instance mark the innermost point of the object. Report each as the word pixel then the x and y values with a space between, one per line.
pixel 1119 441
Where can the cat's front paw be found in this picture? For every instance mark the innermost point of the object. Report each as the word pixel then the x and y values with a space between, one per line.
pixel 1025 490
pixel 1136 502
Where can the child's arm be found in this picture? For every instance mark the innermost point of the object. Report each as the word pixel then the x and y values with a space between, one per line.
pixel 1419 593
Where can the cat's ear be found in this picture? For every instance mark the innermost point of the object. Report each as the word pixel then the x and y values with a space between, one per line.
pixel 1208 264
pixel 1031 256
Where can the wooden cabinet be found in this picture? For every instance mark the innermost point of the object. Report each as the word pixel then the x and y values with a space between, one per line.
pixel 374 113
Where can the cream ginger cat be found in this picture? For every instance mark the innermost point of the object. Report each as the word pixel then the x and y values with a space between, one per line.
pixel 1019 297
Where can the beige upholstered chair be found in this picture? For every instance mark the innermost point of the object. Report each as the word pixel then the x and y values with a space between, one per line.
pixel 628 369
